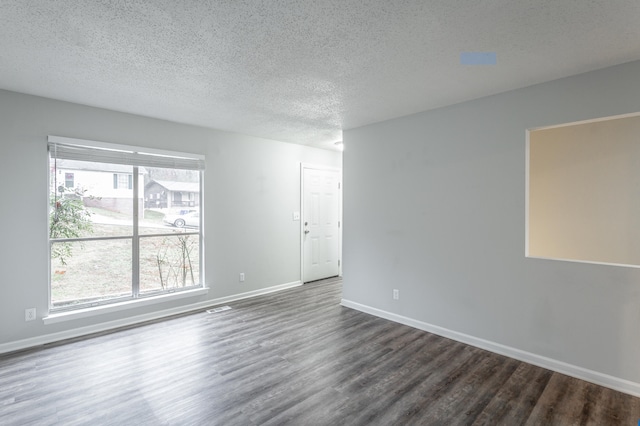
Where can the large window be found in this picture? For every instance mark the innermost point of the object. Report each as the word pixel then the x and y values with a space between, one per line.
pixel 106 243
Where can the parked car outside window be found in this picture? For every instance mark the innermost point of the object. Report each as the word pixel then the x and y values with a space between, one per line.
pixel 180 220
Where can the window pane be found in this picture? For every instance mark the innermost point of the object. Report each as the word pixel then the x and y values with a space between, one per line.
pixel 68 180
pixel 123 181
pixel 93 271
pixel 91 207
pixel 171 201
pixel 169 262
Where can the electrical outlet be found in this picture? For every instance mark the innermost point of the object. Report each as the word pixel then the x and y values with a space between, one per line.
pixel 30 314
pixel 396 294
pixel 241 276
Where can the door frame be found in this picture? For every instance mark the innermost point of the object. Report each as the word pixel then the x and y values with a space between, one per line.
pixel 304 166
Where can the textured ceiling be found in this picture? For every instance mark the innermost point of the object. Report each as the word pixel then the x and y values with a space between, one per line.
pixel 300 70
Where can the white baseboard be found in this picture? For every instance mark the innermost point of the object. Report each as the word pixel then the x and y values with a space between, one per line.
pixel 615 383
pixel 110 325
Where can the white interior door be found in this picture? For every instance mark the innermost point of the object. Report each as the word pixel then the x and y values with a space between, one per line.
pixel 320 223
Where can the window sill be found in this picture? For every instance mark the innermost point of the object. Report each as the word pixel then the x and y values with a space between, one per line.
pixel 121 306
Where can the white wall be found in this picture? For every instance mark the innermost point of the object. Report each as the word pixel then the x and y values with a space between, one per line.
pixel 252 186
pixel 434 205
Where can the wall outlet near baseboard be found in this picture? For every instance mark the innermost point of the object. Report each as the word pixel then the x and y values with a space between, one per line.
pixel 396 294
pixel 241 276
pixel 30 314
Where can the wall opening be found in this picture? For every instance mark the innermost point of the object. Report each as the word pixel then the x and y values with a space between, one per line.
pixel 583 191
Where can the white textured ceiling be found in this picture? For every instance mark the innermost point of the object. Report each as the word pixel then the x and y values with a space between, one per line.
pixel 300 70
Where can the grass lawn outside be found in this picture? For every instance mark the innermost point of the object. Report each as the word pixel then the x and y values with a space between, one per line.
pixel 102 269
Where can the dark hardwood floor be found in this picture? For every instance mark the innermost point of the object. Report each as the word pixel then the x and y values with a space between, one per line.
pixel 294 357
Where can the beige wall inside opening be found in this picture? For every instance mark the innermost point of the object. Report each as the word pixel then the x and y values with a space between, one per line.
pixel 584 191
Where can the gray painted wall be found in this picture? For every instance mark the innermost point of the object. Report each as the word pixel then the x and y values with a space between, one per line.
pixel 434 205
pixel 252 186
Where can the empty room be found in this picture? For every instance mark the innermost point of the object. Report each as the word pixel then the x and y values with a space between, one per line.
pixel 320 212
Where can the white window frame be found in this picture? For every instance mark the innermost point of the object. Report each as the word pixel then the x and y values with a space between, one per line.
pixel 81 149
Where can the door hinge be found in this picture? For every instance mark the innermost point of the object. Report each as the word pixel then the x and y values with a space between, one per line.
pixel 338 224
pixel 338 262
pixel 338 185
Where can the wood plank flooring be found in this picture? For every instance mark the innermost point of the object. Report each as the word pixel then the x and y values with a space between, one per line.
pixel 296 358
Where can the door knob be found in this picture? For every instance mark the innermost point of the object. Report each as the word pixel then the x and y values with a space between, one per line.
pixel 306 231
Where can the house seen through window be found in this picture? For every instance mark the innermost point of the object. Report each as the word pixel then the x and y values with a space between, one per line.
pixel 116 232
